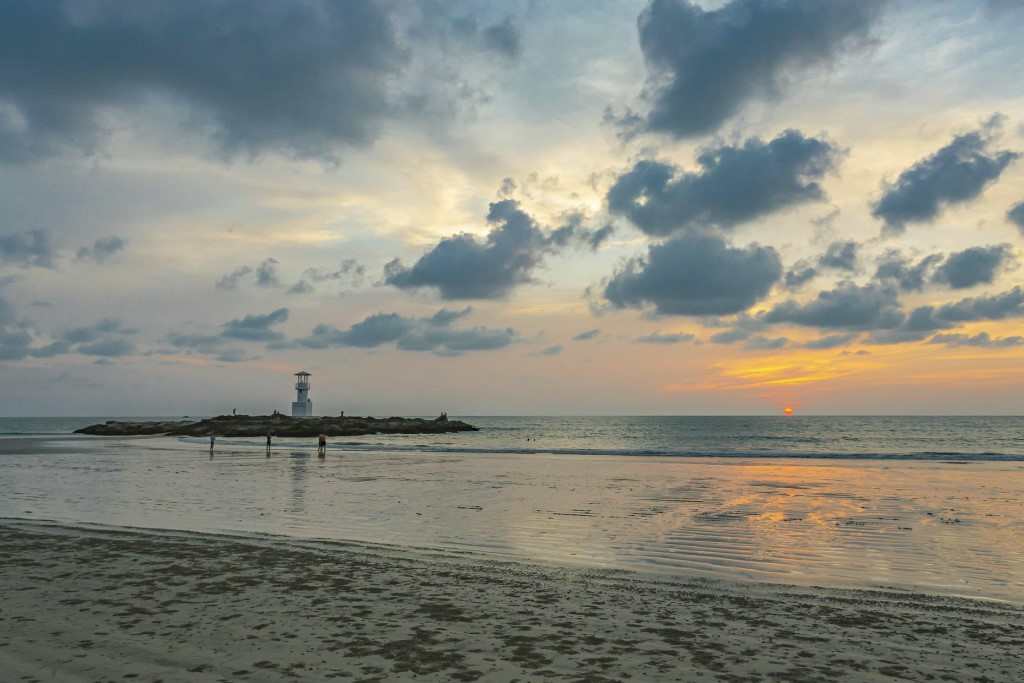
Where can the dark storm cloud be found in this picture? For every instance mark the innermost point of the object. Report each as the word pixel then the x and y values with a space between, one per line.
pixel 256 327
pixel 957 173
pixel 1016 216
pixel 705 65
pixel 695 275
pixel 101 250
pixel 433 334
pixel 587 336
pixel 298 78
pixel 893 268
pixel 734 184
pixel 464 267
pixel 232 279
pixel 974 266
pixel 848 306
pixel 831 341
pixel 30 248
pixel 840 256
pixel 659 338
pixel 982 339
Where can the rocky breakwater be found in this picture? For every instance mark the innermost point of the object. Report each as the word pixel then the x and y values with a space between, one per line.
pixel 279 425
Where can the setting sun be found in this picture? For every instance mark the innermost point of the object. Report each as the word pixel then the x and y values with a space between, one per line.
pixel 788 410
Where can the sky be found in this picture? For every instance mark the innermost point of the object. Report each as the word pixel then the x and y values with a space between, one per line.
pixel 581 207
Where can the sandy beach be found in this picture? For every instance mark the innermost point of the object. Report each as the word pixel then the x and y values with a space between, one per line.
pixel 89 604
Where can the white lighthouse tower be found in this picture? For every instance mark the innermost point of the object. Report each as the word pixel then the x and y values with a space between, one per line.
pixel 303 405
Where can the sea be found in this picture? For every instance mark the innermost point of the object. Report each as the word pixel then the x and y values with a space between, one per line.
pixel 931 504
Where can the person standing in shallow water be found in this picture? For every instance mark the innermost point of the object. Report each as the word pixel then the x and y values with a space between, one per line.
pixel 321 445
pixel 213 439
pixel 269 436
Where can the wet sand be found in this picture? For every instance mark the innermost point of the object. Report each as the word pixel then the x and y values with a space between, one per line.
pixel 931 527
pixel 114 604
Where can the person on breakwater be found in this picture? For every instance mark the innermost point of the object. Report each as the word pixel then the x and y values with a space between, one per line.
pixel 321 445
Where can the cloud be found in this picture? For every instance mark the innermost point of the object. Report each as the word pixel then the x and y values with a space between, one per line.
pixel 350 271
pixel 77 335
pixel 26 249
pixel 299 79
pixel 14 343
pixel 927 319
pixel 956 174
pixel 587 336
pixel 982 339
pixel 202 343
pixel 1016 216
pixel 733 185
pixel 666 339
pixel 736 334
pixel 894 269
pixel 921 322
pixel 256 327
pixel 464 267
pixel 1009 304
pixel 503 38
pixel 974 266
pixel 831 341
pixel 301 287
pixel 106 337
pixel 550 350
pixel 110 348
pixel 799 275
pixel 232 279
pixel 101 250
pixel 433 334
pixel 705 65
pixel 840 256
pixel 695 275
pixel 848 306
pixel 574 231
pixel 266 273
pixel 761 343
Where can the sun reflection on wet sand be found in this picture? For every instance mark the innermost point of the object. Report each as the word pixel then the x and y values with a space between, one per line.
pixel 948 527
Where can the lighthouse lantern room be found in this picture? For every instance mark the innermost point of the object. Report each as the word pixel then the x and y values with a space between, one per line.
pixel 303 405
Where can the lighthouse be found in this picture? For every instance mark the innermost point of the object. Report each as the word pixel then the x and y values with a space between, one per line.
pixel 303 405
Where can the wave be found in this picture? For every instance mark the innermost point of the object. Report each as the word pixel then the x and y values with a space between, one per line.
pixel 440 449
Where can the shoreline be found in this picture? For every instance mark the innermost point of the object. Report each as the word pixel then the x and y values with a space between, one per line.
pixel 89 603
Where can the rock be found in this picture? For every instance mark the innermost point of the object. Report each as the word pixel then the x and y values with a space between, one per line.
pixel 278 425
